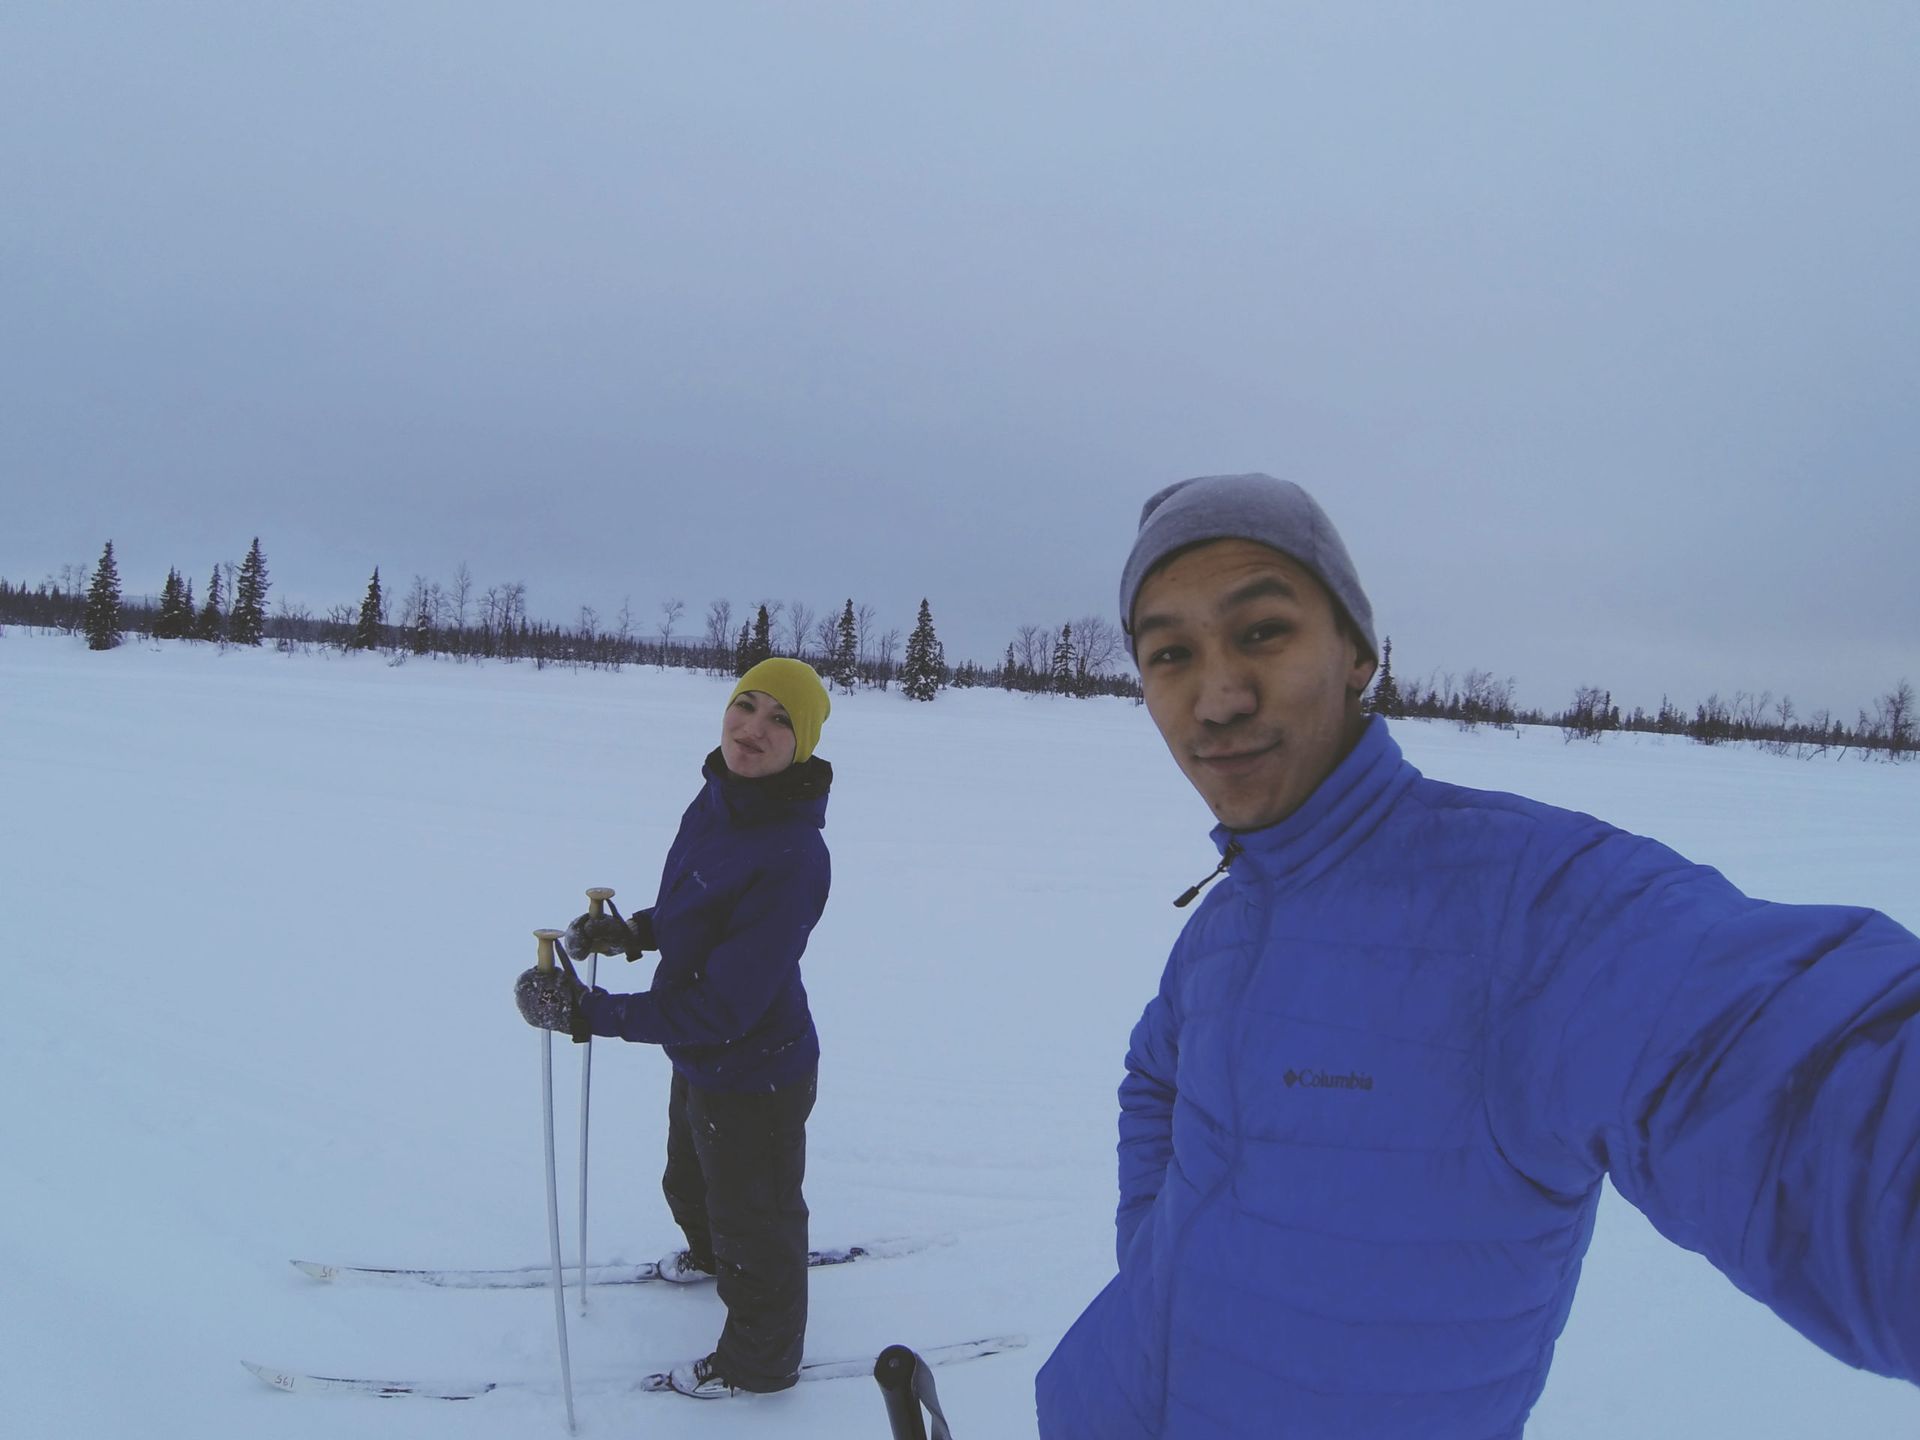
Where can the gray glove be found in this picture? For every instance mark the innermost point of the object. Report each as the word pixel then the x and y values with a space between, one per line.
pixel 551 1000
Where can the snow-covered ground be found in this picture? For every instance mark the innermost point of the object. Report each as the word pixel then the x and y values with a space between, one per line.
pixel 264 914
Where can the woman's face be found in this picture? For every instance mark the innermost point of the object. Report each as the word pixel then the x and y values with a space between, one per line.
pixel 756 735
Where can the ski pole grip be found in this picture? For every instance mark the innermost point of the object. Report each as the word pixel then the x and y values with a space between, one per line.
pixel 546 939
pixel 597 897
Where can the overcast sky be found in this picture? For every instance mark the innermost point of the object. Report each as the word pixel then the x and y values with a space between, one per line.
pixel 1596 328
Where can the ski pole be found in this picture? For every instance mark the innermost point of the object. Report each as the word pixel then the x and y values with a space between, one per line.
pixel 545 962
pixel 597 897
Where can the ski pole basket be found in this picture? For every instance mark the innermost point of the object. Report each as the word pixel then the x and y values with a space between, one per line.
pixel 907 1386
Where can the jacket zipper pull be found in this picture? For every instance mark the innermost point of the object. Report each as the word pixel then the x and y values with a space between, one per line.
pixel 1226 858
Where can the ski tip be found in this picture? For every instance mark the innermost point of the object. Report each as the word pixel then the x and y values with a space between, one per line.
pixel 279 1379
pixel 293 1381
pixel 314 1270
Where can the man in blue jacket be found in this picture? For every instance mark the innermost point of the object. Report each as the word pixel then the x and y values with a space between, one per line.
pixel 1394 1053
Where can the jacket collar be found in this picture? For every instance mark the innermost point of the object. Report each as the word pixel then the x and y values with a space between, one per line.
pixel 1338 814
pixel 799 791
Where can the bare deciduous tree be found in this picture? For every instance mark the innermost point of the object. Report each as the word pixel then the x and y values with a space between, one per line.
pixel 1586 718
pixel 1750 711
pixel 291 623
pixel 460 595
pixel 884 650
pixel 1033 648
pixel 1485 698
pixel 1784 732
pixel 1096 642
pixel 1893 718
pixel 862 630
pixel 826 635
pixel 719 633
pixel 341 620
pixel 416 614
pixel 719 623
pixel 799 626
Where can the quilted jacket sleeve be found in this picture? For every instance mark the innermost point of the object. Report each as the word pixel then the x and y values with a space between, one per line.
pixel 1747 1073
pixel 1146 1107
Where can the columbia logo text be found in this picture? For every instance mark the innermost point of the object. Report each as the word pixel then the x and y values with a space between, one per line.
pixel 1327 1080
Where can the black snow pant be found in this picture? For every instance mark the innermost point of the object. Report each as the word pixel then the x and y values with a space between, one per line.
pixel 734 1168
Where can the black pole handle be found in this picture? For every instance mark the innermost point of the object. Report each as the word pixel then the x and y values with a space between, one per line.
pixel 907 1384
pixel 894 1371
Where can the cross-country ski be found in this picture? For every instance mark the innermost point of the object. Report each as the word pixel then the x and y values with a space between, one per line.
pixel 651 1383
pixel 533 1277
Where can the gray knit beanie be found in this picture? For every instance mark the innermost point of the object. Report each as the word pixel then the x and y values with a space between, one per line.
pixel 1260 508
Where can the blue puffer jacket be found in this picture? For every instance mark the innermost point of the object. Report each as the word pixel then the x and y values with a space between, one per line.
pixel 1364 1123
pixel 744 884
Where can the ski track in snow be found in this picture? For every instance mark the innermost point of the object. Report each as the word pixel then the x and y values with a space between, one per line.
pixel 267 911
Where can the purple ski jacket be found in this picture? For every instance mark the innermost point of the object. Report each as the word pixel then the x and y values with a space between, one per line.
pixel 745 882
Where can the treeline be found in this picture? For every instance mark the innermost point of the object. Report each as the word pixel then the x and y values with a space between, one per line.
pixel 1888 729
pixel 464 621
pixel 1084 657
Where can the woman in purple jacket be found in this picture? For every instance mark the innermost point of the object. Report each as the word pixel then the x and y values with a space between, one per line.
pixel 744 884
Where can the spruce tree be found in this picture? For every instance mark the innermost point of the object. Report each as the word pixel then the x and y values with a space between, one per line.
pixel 176 611
pixel 169 594
pixel 923 671
pixel 1060 675
pixel 182 625
pixel 207 627
pixel 1385 699
pixel 760 646
pixel 845 665
pixel 248 622
pixel 367 633
pixel 103 603
pixel 420 632
pixel 754 643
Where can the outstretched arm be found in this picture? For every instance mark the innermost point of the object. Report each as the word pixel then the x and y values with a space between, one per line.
pixel 1749 1075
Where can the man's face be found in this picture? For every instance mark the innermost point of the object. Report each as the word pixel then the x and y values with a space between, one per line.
pixel 1250 676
